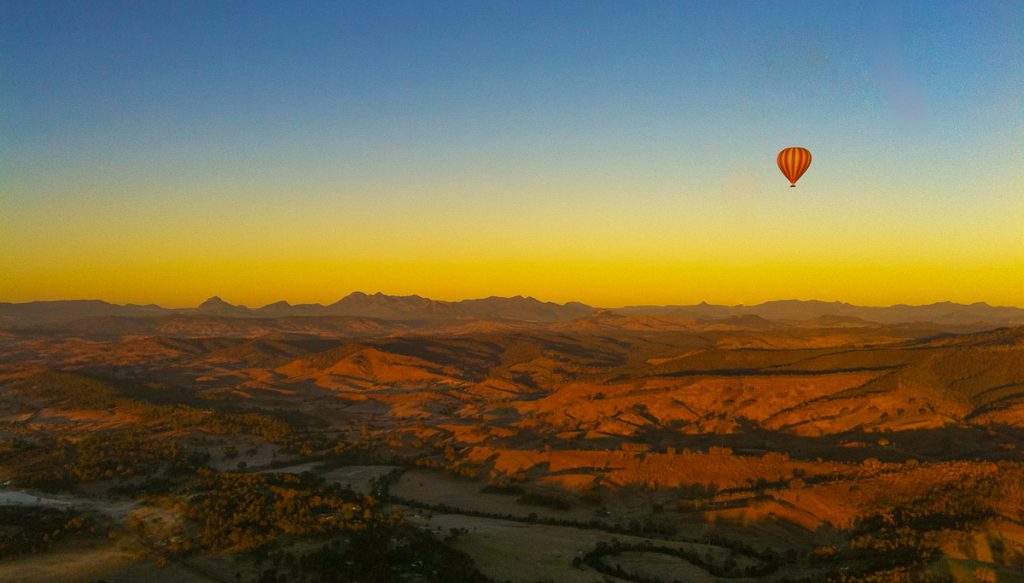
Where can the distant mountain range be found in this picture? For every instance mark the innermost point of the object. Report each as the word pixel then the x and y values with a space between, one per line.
pixel 415 308
pixel 357 305
pixel 841 312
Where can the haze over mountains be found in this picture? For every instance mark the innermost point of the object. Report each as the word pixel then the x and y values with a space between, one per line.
pixel 379 306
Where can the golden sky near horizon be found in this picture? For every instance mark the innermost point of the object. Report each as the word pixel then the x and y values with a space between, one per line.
pixel 748 240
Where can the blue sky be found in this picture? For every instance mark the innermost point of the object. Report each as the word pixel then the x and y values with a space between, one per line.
pixel 508 114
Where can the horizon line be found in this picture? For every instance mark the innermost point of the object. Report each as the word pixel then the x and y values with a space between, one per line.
pixel 517 296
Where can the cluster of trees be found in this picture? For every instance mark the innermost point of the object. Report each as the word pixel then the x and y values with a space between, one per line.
pixel 32 529
pixel 379 553
pixel 246 511
pixel 127 453
pixel 66 461
pixel 966 496
pixel 881 550
pixel 900 539
pixel 11 447
pixel 66 390
pixel 893 575
pixel 181 417
pixel 55 462
pixel 761 563
pixel 897 544
pixel 74 391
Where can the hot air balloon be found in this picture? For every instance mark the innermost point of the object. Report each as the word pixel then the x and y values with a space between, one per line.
pixel 794 162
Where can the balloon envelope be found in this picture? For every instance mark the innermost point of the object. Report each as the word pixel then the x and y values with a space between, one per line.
pixel 794 162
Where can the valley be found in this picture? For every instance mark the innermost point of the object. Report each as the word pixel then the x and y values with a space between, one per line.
pixel 510 442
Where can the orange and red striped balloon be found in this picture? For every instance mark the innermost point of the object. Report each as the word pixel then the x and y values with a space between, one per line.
pixel 794 162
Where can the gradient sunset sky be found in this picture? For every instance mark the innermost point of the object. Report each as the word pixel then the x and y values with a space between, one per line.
pixel 608 152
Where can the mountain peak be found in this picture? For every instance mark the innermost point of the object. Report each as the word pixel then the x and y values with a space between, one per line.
pixel 217 306
pixel 214 301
